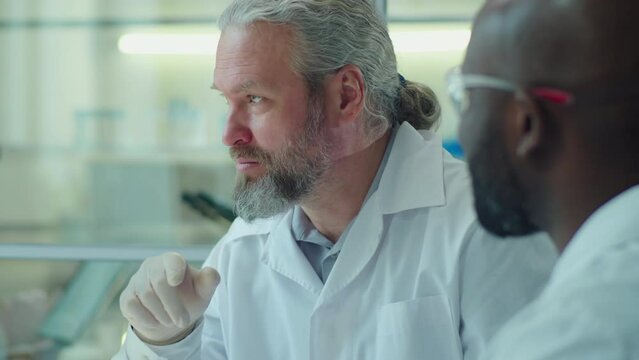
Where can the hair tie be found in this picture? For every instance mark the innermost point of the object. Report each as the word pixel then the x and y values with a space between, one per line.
pixel 402 80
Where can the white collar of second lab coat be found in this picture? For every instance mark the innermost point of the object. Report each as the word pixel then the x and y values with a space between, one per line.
pixel 611 226
pixel 413 178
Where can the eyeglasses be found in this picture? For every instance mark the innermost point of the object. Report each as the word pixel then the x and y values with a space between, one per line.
pixel 459 84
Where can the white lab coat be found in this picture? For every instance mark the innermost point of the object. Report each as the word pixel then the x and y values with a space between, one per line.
pixel 588 310
pixel 416 278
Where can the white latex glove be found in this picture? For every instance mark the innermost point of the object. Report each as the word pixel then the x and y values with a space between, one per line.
pixel 166 297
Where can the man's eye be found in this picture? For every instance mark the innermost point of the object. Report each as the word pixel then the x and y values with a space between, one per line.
pixel 254 99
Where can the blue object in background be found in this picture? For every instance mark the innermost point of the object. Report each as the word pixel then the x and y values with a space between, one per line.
pixel 454 148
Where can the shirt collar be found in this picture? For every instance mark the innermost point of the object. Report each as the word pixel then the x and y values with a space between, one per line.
pixel 303 229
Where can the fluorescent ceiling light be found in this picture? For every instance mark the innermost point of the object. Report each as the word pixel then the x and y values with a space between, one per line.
pixel 404 41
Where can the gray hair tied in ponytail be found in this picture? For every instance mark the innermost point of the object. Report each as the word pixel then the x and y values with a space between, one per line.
pixel 417 104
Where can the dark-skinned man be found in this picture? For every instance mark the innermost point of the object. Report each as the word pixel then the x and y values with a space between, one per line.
pixel 550 124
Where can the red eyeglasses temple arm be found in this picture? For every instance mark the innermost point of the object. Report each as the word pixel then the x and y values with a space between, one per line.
pixel 555 96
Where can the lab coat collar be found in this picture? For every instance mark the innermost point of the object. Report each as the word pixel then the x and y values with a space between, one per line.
pixel 612 225
pixel 414 174
pixel 412 178
pixel 363 239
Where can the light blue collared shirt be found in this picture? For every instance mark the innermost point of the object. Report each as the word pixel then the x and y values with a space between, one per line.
pixel 321 252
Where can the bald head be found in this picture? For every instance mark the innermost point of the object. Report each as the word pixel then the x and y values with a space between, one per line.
pixel 560 159
pixel 572 44
pixel 585 47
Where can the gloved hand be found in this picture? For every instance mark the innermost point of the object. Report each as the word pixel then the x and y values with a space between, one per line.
pixel 166 297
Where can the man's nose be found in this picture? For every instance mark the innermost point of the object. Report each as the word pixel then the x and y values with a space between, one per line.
pixel 236 132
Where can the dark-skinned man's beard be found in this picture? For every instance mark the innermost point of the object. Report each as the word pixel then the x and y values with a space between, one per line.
pixel 499 197
pixel 291 174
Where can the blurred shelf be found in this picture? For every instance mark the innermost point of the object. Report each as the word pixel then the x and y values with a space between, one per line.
pixel 97 252
pixel 204 234
pixel 209 155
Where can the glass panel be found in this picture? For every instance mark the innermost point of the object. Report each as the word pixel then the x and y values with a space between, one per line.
pixel 101 146
pixel 61 310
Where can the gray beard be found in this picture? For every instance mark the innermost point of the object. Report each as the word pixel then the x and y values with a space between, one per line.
pixel 291 174
pixel 259 199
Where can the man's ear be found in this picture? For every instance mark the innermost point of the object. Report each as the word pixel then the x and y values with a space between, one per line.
pixel 344 98
pixel 528 128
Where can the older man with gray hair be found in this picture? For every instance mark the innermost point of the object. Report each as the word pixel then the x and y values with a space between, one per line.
pixel 356 237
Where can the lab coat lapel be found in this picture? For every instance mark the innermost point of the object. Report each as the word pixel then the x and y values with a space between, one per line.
pixel 283 255
pixel 358 249
pixel 414 175
pixel 412 178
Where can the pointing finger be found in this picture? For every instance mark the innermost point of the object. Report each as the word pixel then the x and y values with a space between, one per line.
pixel 175 268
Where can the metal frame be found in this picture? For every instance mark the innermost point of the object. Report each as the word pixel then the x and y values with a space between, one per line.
pixel 96 252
